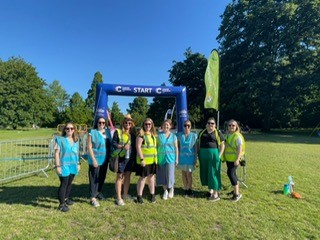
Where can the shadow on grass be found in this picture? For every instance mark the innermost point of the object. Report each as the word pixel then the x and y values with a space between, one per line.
pixel 45 196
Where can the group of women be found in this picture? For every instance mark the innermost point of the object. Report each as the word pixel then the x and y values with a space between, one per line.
pixel 152 155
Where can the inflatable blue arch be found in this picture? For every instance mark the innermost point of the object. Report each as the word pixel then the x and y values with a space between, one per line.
pixel 104 90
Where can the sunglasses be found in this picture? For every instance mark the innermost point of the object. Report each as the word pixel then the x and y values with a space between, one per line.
pixel 69 128
pixel 232 125
pixel 102 122
pixel 211 123
pixel 147 124
pixel 186 125
pixel 129 123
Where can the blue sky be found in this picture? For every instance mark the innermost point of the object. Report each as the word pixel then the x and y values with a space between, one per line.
pixel 129 42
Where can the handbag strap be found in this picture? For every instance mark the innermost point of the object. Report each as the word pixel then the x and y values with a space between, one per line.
pixel 123 147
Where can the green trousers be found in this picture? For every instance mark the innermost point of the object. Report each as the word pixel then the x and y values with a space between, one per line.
pixel 210 166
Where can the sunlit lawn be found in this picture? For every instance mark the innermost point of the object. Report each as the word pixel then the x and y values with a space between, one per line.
pixel 28 205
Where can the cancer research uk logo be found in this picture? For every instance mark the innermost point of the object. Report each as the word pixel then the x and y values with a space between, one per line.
pixel 121 89
pixel 183 113
pixel 100 112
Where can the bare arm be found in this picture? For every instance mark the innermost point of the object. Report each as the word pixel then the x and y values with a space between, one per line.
pixel 57 159
pixel 177 152
pixel 221 149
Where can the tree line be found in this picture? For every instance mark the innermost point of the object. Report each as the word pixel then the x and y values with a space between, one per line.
pixel 269 76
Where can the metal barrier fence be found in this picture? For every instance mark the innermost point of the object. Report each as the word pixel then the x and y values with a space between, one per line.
pixel 25 157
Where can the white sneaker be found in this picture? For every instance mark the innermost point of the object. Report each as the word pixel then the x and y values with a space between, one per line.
pixel 165 195
pixel 120 202
pixel 95 203
pixel 171 193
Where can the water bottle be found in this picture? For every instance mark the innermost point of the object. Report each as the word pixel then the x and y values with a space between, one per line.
pixel 291 184
pixel 128 151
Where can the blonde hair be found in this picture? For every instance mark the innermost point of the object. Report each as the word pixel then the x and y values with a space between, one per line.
pixel 235 123
pixel 167 121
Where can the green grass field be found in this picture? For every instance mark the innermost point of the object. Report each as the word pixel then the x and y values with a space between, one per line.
pixel 28 206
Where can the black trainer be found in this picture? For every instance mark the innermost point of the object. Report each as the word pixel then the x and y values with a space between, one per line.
pixel 153 198
pixel 139 199
pixel 63 208
pixel 236 198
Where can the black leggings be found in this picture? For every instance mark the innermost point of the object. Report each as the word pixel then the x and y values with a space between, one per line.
pixel 97 176
pixel 232 173
pixel 65 188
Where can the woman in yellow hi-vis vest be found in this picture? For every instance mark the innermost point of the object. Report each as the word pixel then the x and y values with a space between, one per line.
pixel 146 144
pixel 211 146
pixel 123 142
pixel 232 155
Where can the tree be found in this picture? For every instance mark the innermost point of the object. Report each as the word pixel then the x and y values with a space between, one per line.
pixel 266 76
pixel 23 100
pixel 59 95
pixel 91 98
pixel 116 115
pixel 190 73
pixel 77 112
pixel 138 109
pixel 159 107
pixel 59 99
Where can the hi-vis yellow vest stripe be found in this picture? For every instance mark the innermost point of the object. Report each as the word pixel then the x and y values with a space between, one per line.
pixel 123 139
pixel 149 150
pixel 230 151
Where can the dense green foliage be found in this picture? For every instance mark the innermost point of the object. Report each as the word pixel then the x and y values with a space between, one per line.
pixel 269 76
pixel 116 115
pixel 77 111
pixel 91 98
pixel 60 100
pixel 269 62
pixel 23 99
pixel 139 109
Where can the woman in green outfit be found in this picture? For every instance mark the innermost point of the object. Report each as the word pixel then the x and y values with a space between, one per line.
pixel 211 147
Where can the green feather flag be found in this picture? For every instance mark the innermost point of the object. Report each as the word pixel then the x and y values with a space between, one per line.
pixel 211 78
